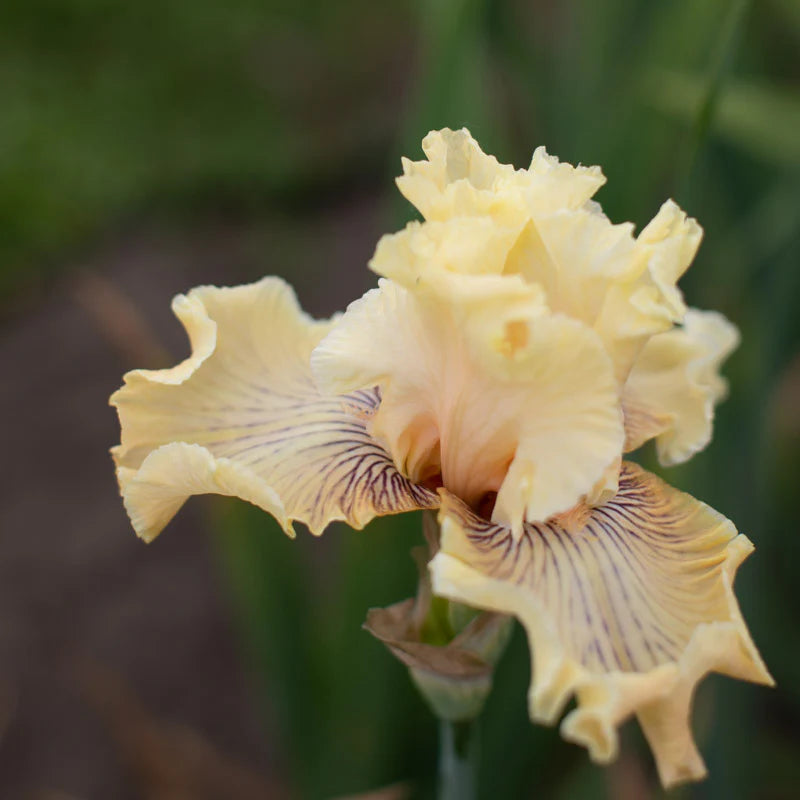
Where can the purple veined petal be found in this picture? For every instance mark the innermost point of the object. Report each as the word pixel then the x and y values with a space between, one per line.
pixel 626 606
pixel 242 416
pixel 494 397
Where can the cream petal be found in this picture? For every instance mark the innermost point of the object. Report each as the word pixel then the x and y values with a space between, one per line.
pixel 552 184
pixel 242 416
pixel 460 246
pixel 526 407
pixel 666 722
pixel 674 385
pixel 622 287
pixel 486 218
pixel 459 179
pixel 672 239
pixel 586 269
pixel 460 262
pixel 171 473
pixel 627 606
pixel 576 256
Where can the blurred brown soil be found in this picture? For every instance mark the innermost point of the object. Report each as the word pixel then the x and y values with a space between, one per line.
pixel 95 627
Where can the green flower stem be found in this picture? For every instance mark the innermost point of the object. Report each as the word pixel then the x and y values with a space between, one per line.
pixel 458 759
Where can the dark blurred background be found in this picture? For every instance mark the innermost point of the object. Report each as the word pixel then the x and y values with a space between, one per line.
pixel 147 147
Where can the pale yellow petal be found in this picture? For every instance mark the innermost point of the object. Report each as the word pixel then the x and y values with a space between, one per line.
pixel 461 262
pixel 666 722
pixel 486 218
pixel 552 184
pixel 242 416
pixel 625 288
pixel 675 384
pixel 463 246
pixel 626 607
pixel 171 473
pixel 672 239
pixel 576 255
pixel 527 408
pixel 459 179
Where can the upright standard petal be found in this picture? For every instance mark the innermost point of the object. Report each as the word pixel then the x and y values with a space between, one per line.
pixel 459 179
pixel 486 218
pixel 524 407
pixel 242 416
pixel 674 385
pixel 624 288
pixel 672 239
pixel 626 606
pixel 437 254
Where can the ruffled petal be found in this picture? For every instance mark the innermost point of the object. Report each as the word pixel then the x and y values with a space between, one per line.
pixel 525 407
pixel 627 606
pixel 625 288
pixel 486 218
pixel 674 385
pixel 550 183
pixel 427 254
pixel 672 239
pixel 242 417
pixel 589 270
pixel 459 179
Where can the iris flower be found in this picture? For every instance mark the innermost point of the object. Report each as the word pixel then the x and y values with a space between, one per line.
pixel 517 346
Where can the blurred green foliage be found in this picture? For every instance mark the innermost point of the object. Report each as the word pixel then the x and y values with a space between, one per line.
pixel 111 110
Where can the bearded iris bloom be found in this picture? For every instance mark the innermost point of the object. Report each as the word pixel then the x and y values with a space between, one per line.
pixel 517 346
